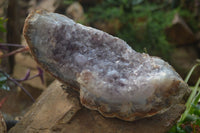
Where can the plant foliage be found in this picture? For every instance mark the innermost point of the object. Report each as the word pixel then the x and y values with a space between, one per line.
pixel 143 23
pixel 2 29
pixel 3 82
pixel 2 22
pixel 190 119
pixel 3 79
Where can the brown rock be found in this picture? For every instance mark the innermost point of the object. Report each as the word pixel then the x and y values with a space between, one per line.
pixel 49 5
pixel 56 110
pixel 198 36
pixel 111 26
pixel 183 58
pixel 75 11
pixel 179 33
pixel 91 121
pixel 53 107
pixel 2 124
pixel 198 46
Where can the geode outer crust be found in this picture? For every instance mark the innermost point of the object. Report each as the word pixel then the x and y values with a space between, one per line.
pixel 111 77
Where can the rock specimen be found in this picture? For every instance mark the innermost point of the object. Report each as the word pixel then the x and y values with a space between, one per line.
pixel 111 77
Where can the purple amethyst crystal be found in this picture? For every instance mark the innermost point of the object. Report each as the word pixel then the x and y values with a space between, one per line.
pixel 111 77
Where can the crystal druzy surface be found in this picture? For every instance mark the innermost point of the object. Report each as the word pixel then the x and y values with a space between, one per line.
pixel 111 77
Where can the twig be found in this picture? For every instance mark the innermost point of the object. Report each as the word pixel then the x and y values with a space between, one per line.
pixel 27 76
pixel 2 101
pixel 15 52
pixel 18 84
pixel 11 45
pixel 191 71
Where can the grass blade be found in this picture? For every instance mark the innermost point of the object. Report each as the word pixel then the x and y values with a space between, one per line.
pixel 190 72
pixel 190 102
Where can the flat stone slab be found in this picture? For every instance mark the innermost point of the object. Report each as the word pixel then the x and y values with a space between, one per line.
pixel 52 107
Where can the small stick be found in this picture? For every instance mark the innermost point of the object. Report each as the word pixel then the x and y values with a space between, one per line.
pixel 15 52
pixel 11 45
pixel 2 101
pixel 18 84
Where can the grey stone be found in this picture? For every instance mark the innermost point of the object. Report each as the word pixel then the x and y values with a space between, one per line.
pixel 183 59
pixel 111 77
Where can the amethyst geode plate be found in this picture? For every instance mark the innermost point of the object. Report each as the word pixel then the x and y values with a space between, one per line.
pixel 110 76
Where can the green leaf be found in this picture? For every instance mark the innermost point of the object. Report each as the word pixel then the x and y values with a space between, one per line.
pixel 172 130
pixel 190 102
pixel 3 82
pixel 68 2
pixel 195 110
pixel 136 2
pixel 2 29
pixel 180 130
pixel 2 21
pixel 197 122
pixel 190 72
pixel 3 79
pixel 190 117
pixel 188 129
pixel 5 87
